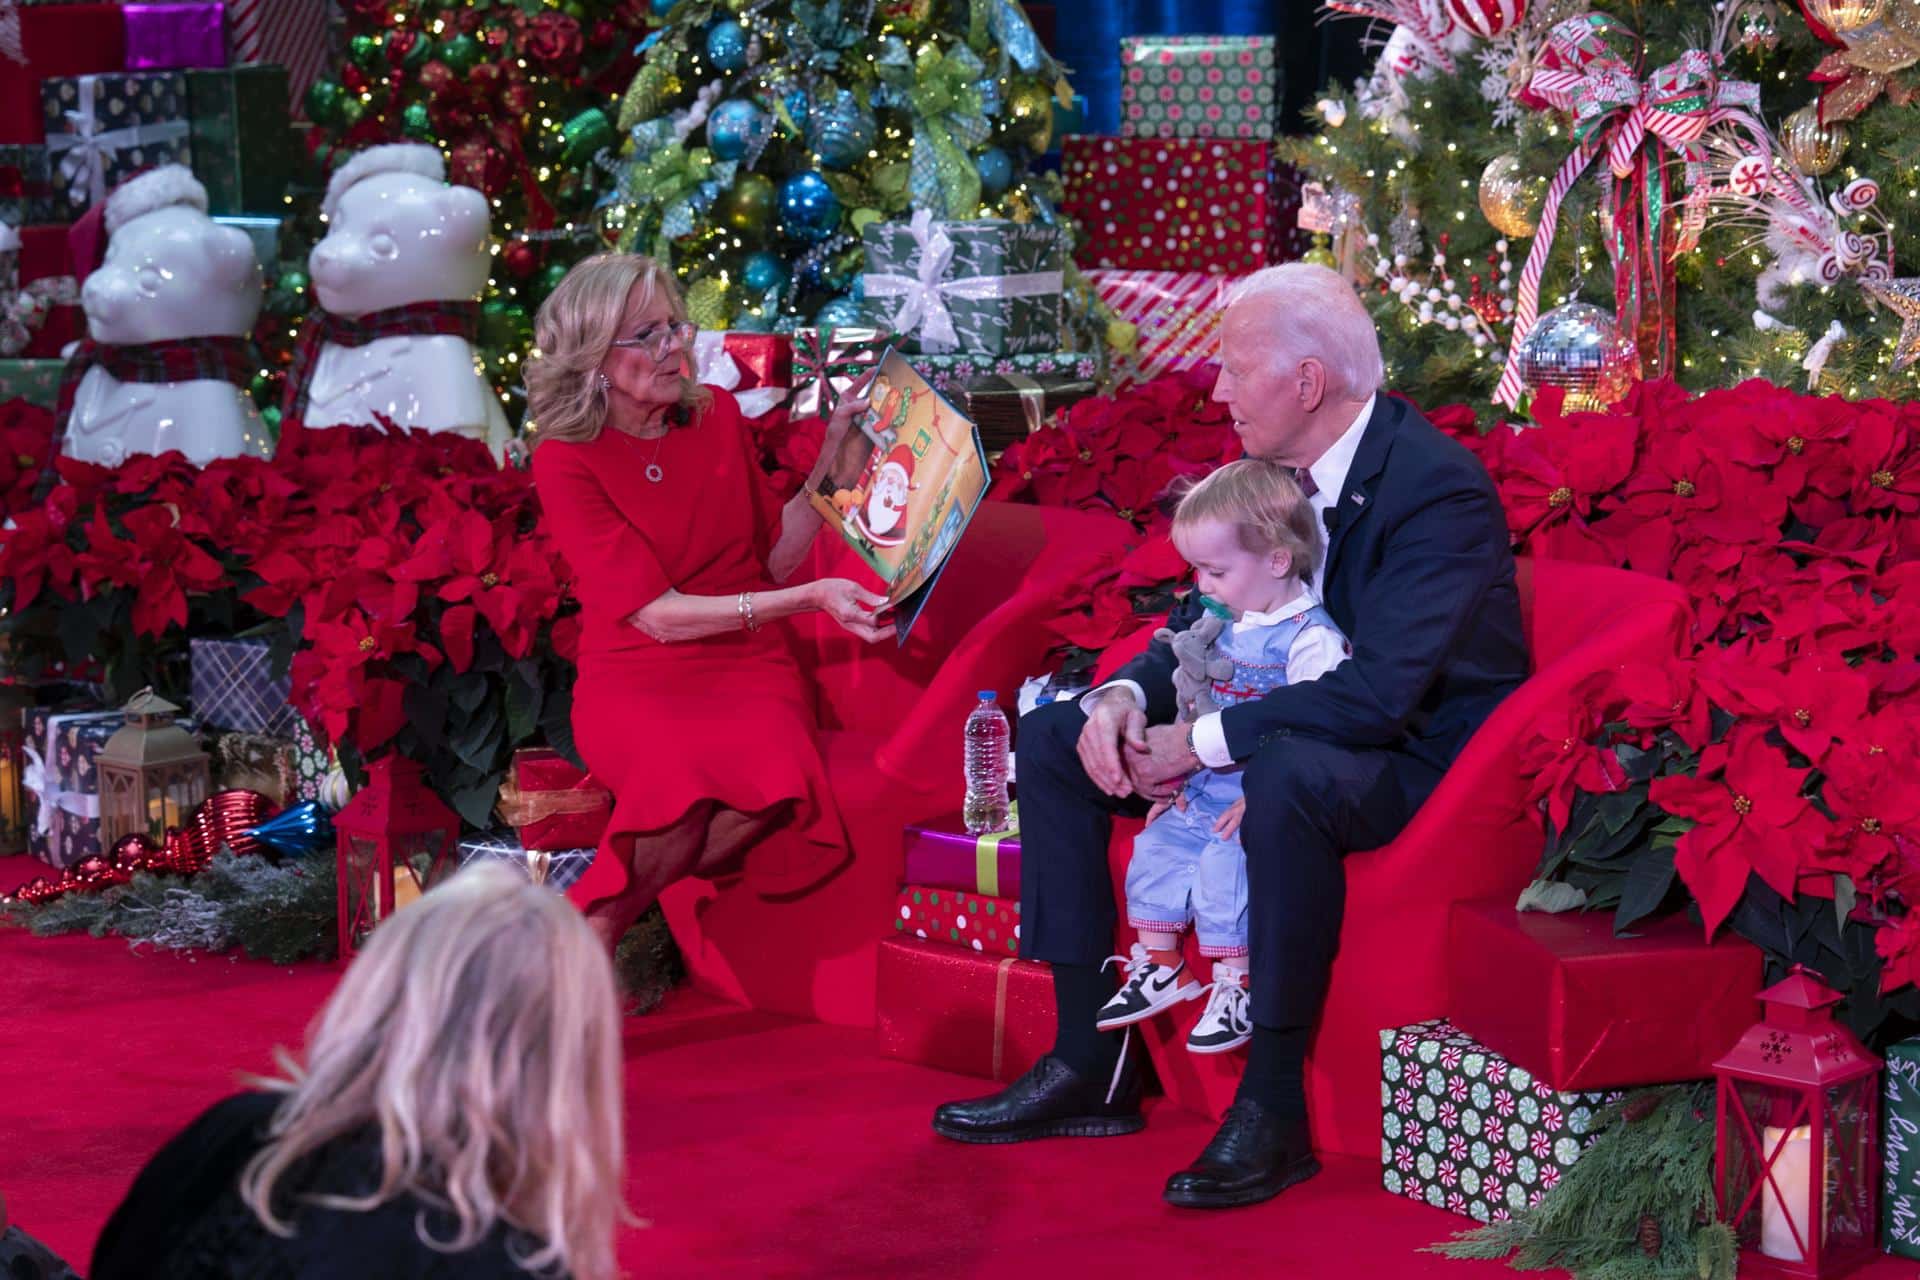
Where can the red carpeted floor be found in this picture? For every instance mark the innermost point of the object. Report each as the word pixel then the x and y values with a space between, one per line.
pixel 758 1147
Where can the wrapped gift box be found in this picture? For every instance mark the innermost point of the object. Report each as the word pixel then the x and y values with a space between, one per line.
pixel 1171 204
pixel 1900 1151
pixel 970 920
pixel 45 251
pixel 59 40
pixel 176 34
pixel 242 142
pixel 1197 86
pixel 265 233
pixel 1582 1009
pixel 828 361
pixel 257 762
pixel 35 381
pixel 311 760
pixel 553 803
pixel 234 687
pixel 949 374
pixel 26 190
pixel 756 367
pixel 63 782
pixel 942 855
pixel 558 867
pixel 1001 286
pixel 103 129
pixel 1177 314
pixel 1465 1130
pixel 1010 406
pixel 978 1015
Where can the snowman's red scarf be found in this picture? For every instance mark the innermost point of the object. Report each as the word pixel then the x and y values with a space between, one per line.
pixel 176 360
pixel 416 320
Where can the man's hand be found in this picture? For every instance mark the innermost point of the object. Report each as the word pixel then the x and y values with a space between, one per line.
pixel 1158 768
pixel 1114 722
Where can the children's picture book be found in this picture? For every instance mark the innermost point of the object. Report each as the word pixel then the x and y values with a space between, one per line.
pixel 906 483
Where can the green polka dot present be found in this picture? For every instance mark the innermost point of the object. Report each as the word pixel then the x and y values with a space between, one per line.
pixel 1197 86
pixel 971 920
pixel 1463 1129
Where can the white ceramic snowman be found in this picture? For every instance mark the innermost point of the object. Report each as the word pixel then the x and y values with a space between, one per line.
pixel 171 275
pixel 398 234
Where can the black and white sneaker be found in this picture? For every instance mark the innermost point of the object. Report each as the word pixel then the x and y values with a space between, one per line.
pixel 1149 989
pixel 1225 1024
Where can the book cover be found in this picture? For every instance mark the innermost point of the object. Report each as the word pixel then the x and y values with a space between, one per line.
pixel 920 474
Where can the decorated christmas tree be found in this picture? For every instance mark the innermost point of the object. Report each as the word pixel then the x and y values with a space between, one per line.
pixel 1722 183
pixel 765 134
pixel 520 95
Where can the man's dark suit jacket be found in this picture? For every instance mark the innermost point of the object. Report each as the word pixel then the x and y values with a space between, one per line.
pixel 1420 577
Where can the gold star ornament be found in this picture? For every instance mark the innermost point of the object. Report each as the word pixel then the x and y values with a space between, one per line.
pixel 1902 297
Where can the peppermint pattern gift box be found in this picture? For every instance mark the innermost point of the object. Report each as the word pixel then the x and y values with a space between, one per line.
pixel 1463 1129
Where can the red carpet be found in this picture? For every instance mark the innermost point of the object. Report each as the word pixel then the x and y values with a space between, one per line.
pixel 758 1147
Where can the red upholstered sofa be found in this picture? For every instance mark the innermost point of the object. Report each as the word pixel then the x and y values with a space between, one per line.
pixel 891 723
pixel 1476 837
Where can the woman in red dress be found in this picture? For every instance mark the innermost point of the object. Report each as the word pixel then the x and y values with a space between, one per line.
pixel 689 704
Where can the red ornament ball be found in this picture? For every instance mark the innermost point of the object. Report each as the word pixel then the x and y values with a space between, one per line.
pixel 437 77
pixel 354 79
pixel 519 259
pixel 1486 18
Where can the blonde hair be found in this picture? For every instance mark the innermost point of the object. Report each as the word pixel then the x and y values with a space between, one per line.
pixel 572 333
pixel 1317 314
pixel 1263 503
pixel 479 1034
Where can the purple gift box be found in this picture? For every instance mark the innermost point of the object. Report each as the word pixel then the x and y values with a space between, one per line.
pixel 185 33
pixel 941 855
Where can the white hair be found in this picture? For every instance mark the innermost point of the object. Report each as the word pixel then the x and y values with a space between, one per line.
pixel 1316 313
pixel 391 157
pixel 162 188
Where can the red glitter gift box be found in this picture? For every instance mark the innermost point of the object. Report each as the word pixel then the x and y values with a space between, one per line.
pixel 1172 204
pixel 553 803
pixel 974 1014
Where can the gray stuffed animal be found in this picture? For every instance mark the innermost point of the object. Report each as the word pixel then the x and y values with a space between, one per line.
pixel 1197 665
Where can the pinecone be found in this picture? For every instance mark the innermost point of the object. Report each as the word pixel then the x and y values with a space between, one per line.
pixel 1642 1106
pixel 1649 1235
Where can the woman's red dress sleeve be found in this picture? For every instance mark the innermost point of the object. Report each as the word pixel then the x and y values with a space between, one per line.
pixel 615 569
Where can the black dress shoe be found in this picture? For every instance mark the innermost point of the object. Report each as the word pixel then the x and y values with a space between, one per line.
pixel 1051 1100
pixel 1255 1156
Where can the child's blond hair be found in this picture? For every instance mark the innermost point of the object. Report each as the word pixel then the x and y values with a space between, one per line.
pixel 1263 503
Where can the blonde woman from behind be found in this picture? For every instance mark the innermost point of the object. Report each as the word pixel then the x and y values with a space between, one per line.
pixel 457 1112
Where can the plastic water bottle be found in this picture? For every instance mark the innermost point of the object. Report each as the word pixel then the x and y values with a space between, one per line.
pixel 988 738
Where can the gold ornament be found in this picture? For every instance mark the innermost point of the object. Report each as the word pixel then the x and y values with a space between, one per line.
pixel 1509 198
pixel 1842 16
pixel 1903 16
pixel 1816 148
pixel 1030 114
pixel 1321 254
pixel 710 303
pixel 747 206
pixel 1902 297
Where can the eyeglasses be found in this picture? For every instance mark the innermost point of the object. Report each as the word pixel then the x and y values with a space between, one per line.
pixel 658 338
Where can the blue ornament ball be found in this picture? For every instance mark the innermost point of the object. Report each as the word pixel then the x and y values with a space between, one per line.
pixel 809 211
pixel 733 127
pixel 727 45
pixel 996 170
pixel 841 132
pixel 662 7
pixel 763 271
pixel 799 106
pixel 840 313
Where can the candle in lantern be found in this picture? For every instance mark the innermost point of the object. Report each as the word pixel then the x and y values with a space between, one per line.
pixel 1783 1218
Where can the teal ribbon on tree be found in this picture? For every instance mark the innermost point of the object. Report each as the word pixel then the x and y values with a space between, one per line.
pixel 942 93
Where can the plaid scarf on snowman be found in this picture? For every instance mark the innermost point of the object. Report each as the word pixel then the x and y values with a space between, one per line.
pixel 229 359
pixel 417 320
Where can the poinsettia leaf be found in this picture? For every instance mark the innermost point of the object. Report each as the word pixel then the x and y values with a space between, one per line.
pixel 1639 764
pixel 1551 896
pixel 474 801
pixel 1844 896
pixel 476 739
pixel 523 707
pixel 1620 808
pixel 1644 888
pixel 469 692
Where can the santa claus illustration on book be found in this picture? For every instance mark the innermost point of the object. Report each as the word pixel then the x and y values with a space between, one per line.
pixel 882 518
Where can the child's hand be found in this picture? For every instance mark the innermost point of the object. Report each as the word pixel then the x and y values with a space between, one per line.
pixel 1229 822
pixel 1176 801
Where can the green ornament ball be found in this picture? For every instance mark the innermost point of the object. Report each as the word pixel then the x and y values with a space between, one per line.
pixel 271 416
pixel 351 111
pixel 257 385
pixel 326 100
pixel 417 122
pixel 747 206
pixel 462 53
pixel 366 52
pixel 551 276
pixel 294 282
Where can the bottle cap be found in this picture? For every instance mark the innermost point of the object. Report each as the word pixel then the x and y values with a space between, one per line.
pixel 986 695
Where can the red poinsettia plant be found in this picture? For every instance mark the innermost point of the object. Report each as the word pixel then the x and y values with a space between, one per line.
pixel 406 575
pixel 1767 776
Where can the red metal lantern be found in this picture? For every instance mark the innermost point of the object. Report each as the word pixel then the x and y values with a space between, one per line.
pixel 1796 1168
pixel 395 840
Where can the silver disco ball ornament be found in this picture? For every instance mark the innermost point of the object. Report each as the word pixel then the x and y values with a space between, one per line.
pixel 1580 349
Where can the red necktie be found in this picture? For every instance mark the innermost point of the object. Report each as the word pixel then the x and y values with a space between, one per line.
pixel 1305 479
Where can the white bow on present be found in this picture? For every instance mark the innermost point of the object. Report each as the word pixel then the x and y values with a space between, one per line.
pixel 85 153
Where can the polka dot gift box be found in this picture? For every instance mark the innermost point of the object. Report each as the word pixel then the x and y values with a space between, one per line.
pixel 1465 1130
pixel 971 920
pixel 1171 204
pixel 1197 86
pixel 103 129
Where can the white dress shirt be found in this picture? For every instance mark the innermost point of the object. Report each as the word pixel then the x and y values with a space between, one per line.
pixel 1317 650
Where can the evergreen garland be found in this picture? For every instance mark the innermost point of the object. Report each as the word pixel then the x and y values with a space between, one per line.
pixel 1638 1205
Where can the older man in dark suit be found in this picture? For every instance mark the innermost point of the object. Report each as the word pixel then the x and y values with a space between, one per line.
pixel 1419 574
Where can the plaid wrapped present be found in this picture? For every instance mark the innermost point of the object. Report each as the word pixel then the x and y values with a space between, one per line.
pixel 1463 1129
pixel 234 688
pixel 103 129
pixel 556 867
pixel 1197 86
